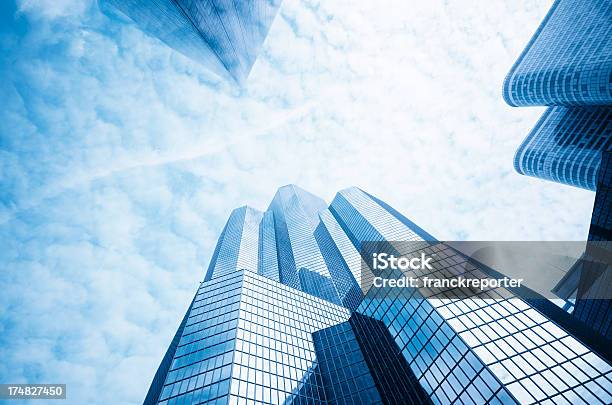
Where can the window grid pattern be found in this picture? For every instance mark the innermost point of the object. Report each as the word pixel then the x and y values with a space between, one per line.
pixel 349 254
pixel 249 241
pixel 275 359
pixel 267 265
pixel 347 378
pixel 517 344
pixel 223 35
pixel 569 59
pixel 601 220
pixel 296 215
pixel 286 263
pixel 201 368
pixel 320 286
pixel 442 362
pixel 566 145
pixel 387 226
pixel 342 259
pixel 452 351
pixel 394 378
pixel 237 248
pixel 248 339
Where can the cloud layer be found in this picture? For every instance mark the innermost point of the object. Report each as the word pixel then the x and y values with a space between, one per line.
pixel 120 160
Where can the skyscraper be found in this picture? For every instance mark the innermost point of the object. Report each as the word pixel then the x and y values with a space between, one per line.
pixel 237 247
pixel 566 145
pixel 246 337
pixel 485 347
pixel 266 326
pixel 568 61
pixel 301 263
pixel 567 65
pixel 223 35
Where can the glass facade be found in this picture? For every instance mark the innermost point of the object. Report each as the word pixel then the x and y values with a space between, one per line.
pixel 237 247
pixel 568 61
pixel 567 65
pixel 296 215
pixel 601 220
pixel 345 373
pixel 201 367
pixel 268 258
pixel 275 358
pixel 396 382
pixel 223 35
pixel 361 364
pixel 489 347
pixel 266 326
pixel 248 339
pixel 566 145
pixel 343 261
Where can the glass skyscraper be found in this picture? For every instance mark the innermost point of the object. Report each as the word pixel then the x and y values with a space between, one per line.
pixel 566 145
pixel 568 61
pixel 594 281
pixel 223 35
pixel 567 65
pixel 486 347
pixel 285 315
pixel 301 262
pixel 246 338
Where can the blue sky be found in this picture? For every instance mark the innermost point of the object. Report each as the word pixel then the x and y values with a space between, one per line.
pixel 120 160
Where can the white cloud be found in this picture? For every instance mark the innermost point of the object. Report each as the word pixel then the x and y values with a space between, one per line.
pixel 53 9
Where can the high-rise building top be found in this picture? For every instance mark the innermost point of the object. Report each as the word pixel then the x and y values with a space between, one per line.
pixel 224 35
pixel 237 247
pixel 296 214
pixel 566 65
pixel 248 334
pixel 568 60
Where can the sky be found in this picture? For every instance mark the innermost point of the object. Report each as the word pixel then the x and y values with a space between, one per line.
pixel 120 160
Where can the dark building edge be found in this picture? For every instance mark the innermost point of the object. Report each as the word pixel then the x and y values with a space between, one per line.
pixel 392 375
pixel 534 37
pixel 599 228
pixel 162 371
